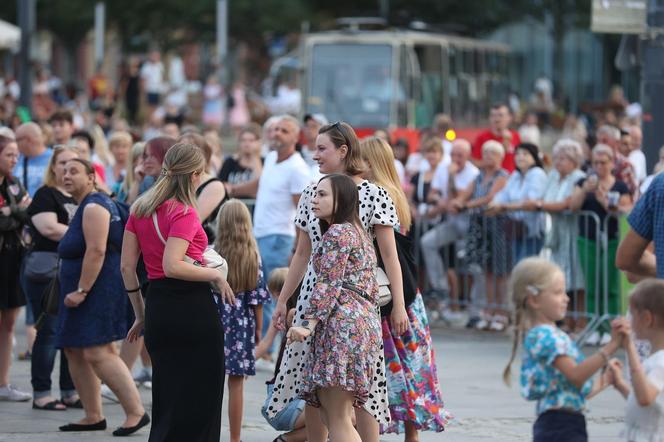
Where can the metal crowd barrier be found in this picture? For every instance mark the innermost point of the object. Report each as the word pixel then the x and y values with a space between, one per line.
pixel 588 258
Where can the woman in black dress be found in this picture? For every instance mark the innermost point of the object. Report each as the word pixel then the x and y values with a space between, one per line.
pixel 14 202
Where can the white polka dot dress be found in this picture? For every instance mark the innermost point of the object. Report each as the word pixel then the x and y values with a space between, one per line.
pixel 376 207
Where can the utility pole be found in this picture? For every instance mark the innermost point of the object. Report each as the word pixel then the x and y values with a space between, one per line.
pixel 100 19
pixel 222 39
pixel 26 21
pixel 652 82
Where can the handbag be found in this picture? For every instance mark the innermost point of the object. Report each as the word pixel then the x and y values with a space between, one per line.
pixel 384 292
pixel 213 260
pixel 50 301
pixel 404 247
pixel 41 266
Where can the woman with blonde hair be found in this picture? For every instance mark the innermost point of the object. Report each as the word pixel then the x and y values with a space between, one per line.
pixel 414 396
pixel 130 182
pixel 183 332
pixel 50 212
pixel 243 319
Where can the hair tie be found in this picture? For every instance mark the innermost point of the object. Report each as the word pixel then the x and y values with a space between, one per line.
pixel 165 172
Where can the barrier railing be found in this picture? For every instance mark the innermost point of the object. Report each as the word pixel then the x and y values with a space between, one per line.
pixel 483 252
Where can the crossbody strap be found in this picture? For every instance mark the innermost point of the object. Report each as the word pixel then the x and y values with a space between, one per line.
pixel 156 227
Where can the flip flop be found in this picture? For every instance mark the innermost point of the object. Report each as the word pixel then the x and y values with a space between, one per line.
pixel 50 406
pixel 280 438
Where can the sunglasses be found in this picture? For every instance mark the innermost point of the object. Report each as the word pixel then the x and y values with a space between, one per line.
pixel 337 125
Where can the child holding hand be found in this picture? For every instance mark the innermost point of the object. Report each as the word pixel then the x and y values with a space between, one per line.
pixel 554 372
pixel 644 413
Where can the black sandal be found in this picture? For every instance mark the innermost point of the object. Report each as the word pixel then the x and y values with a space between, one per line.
pixel 50 406
pixel 280 438
pixel 76 404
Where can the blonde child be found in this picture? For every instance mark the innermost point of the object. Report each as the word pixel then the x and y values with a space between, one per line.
pixel 275 282
pixel 644 414
pixel 242 320
pixel 554 372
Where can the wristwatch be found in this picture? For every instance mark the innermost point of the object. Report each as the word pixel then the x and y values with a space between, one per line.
pixel 82 291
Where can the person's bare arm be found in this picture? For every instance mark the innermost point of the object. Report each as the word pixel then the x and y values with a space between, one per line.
pixel 634 257
pixel 209 199
pixel 486 199
pixel 243 190
pixel 48 226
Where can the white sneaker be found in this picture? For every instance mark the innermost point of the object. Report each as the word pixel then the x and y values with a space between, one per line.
pixel 107 393
pixel 606 338
pixel 11 394
pixel 265 365
pixel 147 385
pixel 593 339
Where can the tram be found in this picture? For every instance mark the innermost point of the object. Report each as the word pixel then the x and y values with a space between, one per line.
pixel 399 79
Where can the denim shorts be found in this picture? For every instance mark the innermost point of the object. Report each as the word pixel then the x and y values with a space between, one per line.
pixel 560 425
pixel 285 419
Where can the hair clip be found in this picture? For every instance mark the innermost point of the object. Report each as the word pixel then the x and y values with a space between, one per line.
pixel 165 172
pixel 532 290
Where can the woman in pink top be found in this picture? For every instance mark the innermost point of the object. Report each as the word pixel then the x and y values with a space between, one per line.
pixel 183 332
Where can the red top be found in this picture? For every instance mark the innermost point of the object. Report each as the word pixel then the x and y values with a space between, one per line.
pixel 174 219
pixel 508 161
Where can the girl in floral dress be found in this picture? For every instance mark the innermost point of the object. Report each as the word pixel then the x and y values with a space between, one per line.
pixel 242 320
pixel 338 151
pixel 416 403
pixel 341 315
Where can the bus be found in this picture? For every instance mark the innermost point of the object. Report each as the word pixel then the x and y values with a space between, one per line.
pixel 399 79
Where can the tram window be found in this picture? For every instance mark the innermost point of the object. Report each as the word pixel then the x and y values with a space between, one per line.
pixel 430 102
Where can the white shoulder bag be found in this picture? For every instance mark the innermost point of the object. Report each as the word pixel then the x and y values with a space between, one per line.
pixel 213 260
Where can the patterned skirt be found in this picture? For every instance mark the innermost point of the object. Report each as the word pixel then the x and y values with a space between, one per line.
pixel 412 379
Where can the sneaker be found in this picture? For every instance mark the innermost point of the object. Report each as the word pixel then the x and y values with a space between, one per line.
pixel 107 393
pixel 482 324
pixel 143 376
pixel 472 321
pixel 147 385
pixel 11 394
pixel 606 338
pixel 25 355
pixel 265 365
pixel 593 339
pixel 452 317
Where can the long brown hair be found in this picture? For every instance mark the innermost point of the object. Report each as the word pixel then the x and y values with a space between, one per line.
pixel 343 134
pixel 235 242
pixel 345 205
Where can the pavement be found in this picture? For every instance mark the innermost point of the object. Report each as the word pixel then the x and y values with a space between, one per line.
pixel 470 368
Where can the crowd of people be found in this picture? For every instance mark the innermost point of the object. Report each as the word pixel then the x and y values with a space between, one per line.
pixel 108 233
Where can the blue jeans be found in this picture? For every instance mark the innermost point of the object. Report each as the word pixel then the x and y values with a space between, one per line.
pixel 525 247
pixel 44 351
pixel 286 418
pixel 560 425
pixel 274 250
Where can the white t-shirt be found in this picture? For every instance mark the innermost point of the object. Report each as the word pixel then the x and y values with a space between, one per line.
pixel 153 75
pixel 401 172
pixel 638 159
pixel 275 210
pixel 647 423
pixel 416 162
pixel 462 179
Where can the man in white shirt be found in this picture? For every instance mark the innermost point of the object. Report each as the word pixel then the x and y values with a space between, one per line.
pixel 152 75
pixel 636 156
pixel 284 177
pixel 312 123
pixel 447 182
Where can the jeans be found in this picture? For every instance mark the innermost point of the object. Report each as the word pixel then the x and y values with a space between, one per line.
pixel 525 247
pixel 274 250
pixel 44 351
pixel 441 235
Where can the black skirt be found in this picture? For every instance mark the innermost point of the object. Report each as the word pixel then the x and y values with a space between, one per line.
pixel 11 254
pixel 185 340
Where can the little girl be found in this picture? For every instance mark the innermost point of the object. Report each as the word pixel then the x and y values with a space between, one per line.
pixel 644 414
pixel 242 320
pixel 554 372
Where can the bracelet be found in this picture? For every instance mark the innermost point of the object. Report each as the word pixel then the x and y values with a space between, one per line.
pixel 604 355
pixel 137 289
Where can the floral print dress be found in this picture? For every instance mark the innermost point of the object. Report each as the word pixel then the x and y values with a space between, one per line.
pixel 540 380
pixel 376 208
pixel 239 321
pixel 344 301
